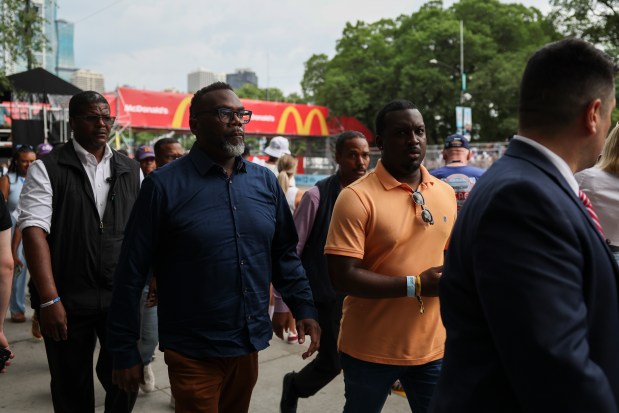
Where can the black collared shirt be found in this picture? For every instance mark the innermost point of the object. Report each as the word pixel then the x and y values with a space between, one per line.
pixel 215 243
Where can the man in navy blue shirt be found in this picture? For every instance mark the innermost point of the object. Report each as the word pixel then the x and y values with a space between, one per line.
pixel 217 230
pixel 457 172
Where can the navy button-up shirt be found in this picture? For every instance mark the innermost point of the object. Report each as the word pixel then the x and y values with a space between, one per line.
pixel 215 243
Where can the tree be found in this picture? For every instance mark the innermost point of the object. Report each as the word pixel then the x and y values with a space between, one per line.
pixel 21 35
pixel 314 75
pixel 273 94
pixel 600 17
pixel 377 62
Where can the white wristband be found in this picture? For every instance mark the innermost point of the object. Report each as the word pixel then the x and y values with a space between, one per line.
pixel 410 285
pixel 52 302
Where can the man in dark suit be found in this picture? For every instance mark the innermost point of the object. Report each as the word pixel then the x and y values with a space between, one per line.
pixel 530 292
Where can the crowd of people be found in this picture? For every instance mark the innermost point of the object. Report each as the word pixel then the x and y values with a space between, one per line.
pixel 470 290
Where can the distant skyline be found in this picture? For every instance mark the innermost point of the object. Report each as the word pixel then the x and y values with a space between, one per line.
pixel 154 44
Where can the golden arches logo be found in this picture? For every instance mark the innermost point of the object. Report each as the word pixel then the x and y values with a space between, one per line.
pixel 303 128
pixel 177 120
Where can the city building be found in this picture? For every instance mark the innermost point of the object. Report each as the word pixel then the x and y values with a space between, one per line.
pixel 202 77
pixel 65 60
pixel 57 56
pixel 88 80
pixel 241 77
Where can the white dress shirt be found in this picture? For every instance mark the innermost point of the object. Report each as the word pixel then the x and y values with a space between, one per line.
pixel 556 160
pixel 35 202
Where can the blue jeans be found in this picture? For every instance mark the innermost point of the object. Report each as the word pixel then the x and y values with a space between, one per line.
pixel 18 293
pixel 149 336
pixel 367 385
pixel 617 257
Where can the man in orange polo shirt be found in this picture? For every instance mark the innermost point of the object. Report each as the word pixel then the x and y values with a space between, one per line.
pixel 385 251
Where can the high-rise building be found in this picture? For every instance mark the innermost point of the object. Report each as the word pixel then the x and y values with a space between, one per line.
pixel 88 80
pixel 241 77
pixel 202 77
pixel 57 56
pixel 65 60
pixel 46 9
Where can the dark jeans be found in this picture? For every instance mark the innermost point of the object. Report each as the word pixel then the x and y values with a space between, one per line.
pixel 367 384
pixel 70 365
pixel 326 366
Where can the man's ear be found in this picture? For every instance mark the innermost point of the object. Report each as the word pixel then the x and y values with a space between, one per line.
pixel 468 155
pixel 445 154
pixel 193 125
pixel 593 116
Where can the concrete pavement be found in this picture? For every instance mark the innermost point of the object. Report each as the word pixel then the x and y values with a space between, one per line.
pixel 25 388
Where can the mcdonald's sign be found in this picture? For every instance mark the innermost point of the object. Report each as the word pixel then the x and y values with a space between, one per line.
pixel 303 126
pixel 164 110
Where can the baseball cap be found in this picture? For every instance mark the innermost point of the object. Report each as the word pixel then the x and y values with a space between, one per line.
pixel 457 141
pixel 144 152
pixel 277 147
pixel 43 149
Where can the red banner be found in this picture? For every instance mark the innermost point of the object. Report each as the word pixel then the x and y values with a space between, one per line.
pixel 161 110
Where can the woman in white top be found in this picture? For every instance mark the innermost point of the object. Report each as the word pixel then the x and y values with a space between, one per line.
pixel 601 184
pixel 11 185
pixel 286 167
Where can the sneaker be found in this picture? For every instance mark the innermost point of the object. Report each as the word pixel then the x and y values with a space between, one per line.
pixel 288 403
pixel 149 380
pixel 396 388
pixel 292 338
pixel 36 328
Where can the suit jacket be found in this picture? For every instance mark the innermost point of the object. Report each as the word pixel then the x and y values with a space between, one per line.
pixel 529 297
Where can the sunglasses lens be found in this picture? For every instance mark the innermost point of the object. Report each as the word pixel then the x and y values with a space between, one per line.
pixel 426 216
pixel 418 198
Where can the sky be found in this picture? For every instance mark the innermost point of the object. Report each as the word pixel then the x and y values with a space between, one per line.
pixel 154 44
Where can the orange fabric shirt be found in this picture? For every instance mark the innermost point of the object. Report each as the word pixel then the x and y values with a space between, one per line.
pixel 376 220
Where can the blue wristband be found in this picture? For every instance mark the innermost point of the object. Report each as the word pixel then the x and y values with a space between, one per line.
pixel 410 285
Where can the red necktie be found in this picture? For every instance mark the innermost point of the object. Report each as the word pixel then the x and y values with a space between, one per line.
pixel 589 207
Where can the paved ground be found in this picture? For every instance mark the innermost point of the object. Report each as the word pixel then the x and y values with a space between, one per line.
pixel 25 388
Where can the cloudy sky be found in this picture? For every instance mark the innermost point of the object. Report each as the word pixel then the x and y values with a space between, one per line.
pixel 154 44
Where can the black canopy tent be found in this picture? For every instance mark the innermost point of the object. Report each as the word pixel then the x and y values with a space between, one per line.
pixel 40 86
pixel 40 81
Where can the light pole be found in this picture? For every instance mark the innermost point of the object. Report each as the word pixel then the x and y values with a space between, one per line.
pixel 462 75
pixel 463 114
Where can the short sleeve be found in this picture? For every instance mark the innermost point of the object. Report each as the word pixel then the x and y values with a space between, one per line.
pixel 347 231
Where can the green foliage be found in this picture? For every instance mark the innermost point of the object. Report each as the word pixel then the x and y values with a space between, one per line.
pixel 377 62
pixel 273 94
pixel 594 20
pixel 21 35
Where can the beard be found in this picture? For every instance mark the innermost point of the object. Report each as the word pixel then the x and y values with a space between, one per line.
pixel 233 150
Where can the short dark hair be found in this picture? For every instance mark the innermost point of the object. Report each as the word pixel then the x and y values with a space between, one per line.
pixel 341 139
pixel 560 80
pixel 161 142
pixel 82 99
pixel 198 95
pixel 394 105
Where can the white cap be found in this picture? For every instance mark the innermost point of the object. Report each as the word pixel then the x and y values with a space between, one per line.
pixel 277 147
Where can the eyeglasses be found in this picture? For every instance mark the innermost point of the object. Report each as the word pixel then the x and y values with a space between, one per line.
pixel 171 157
pixel 225 114
pixel 108 120
pixel 426 215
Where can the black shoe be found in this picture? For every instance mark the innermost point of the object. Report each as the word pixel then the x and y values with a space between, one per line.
pixel 288 403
